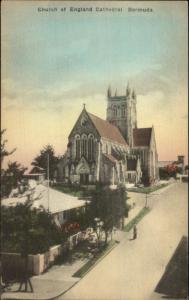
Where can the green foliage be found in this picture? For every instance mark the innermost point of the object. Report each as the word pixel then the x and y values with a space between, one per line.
pixel 109 206
pixel 28 230
pixel 4 151
pixel 169 171
pixel 74 190
pixel 148 190
pixel 42 160
pixel 13 174
pixel 11 177
pixel 92 262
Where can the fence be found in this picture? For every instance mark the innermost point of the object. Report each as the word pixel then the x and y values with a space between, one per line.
pixel 13 263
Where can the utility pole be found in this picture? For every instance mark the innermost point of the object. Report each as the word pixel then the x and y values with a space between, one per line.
pixel 48 180
pixel 25 280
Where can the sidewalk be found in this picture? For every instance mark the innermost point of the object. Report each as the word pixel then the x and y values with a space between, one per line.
pixel 58 279
pixel 49 285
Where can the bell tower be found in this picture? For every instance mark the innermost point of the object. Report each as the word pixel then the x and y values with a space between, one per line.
pixel 121 112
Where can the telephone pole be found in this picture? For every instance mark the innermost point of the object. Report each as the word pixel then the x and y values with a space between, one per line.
pixel 48 180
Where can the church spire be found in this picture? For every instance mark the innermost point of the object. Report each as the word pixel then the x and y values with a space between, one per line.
pixel 116 93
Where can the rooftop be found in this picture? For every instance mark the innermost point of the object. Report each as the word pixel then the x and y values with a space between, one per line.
pixel 58 201
pixel 107 130
pixel 110 157
pixel 141 137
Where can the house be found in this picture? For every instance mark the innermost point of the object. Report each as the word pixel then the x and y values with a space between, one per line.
pixel 59 204
pixel 36 173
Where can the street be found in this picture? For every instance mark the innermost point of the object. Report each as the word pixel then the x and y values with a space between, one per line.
pixel 133 269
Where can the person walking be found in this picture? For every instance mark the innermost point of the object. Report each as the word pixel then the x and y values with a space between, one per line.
pixel 134 232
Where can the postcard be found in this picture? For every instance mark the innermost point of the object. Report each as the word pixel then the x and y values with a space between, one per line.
pixel 94 150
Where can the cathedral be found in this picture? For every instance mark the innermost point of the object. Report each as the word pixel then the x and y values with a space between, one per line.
pixel 110 151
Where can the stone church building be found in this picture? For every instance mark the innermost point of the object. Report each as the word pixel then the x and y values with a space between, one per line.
pixel 110 151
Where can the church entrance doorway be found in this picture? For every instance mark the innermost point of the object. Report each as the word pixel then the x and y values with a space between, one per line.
pixel 84 178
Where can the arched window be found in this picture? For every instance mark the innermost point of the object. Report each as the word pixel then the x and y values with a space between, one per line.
pixel 84 145
pixel 91 147
pixel 114 111
pixel 78 145
pixel 123 111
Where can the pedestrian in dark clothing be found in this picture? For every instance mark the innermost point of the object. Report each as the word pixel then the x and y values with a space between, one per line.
pixel 134 232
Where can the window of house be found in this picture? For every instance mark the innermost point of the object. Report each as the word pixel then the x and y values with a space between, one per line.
pixel 115 111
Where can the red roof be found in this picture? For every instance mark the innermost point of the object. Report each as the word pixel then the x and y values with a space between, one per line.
pixel 107 130
pixel 141 136
pixel 110 157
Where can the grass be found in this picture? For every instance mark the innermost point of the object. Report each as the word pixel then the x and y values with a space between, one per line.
pixel 148 190
pixel 76 191
pixel 136 219
pixel 88 266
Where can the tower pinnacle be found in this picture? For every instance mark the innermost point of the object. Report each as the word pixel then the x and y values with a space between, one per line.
pixel 109 92
pixel 133 94
pixel 128 89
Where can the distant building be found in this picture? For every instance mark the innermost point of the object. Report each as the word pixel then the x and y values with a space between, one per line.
pixel 36 173
pixel 110 151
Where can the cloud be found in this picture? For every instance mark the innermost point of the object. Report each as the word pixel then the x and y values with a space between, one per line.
pixel 59 98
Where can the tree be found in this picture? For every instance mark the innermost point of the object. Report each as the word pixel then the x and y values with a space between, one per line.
pixel 107 209
pixel 4 151
pixel 42 231
pixel 27 230
pixel 11 177
pixel 170 170
pixel 47 156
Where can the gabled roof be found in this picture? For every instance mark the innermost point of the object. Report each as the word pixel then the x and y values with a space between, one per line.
pixel 33 170
pixel 131 164
pixel 142 137
pixel 107 130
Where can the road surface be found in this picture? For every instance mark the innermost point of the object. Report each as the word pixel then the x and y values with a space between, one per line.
pixel 133 269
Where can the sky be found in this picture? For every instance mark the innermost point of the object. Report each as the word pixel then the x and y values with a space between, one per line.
pixel 53 62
